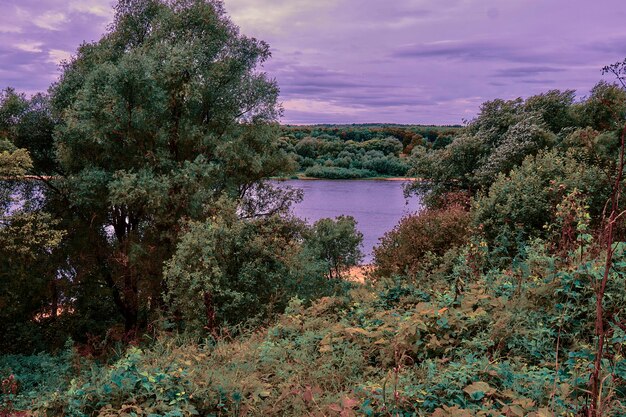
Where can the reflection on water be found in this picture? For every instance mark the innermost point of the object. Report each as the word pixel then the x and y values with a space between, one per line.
pixel 376 205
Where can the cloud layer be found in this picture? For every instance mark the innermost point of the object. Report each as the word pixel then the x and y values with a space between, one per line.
pixel 36 36
pixel 351 61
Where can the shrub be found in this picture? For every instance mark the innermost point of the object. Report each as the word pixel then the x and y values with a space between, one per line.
pixel 36 376
pixel 228 270
pixel 388 350
pixel 404 249
pixel 523 202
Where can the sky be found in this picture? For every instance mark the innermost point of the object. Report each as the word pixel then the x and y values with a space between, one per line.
pixel 366 61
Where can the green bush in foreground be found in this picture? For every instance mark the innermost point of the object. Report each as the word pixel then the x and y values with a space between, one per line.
pixel 229 271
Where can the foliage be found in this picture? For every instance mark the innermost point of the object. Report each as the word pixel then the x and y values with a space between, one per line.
pixel 335 173
pixel 28 235
pixel 36 375
pixel 446 170
pixel 513 342
pixel 162 117
pixel 336 243
pixel 521 140
pixel 358 151
pixel 506 132
pixel 135 197
pixel 14 162
pixel 525 200
pixel 226 270
pixel 419 238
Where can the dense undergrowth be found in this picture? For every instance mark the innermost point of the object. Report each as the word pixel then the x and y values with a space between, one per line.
pixel 511 342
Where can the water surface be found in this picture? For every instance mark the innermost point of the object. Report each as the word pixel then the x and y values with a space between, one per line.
pixel 377 206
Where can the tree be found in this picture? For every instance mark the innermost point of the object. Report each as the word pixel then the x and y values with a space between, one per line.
pixel 602 109
pixel 523 201
pixel 525 138
pixel 162 117
pixel 336 242
pixel 449 169
pixel 555 108
pixel 228 270
pixel 504 133
pixel 28 235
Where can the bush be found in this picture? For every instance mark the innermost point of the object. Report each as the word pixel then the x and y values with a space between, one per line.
pixel 37 376
pixel 389 350
pixel 404 249
pixel 387 165
pixel 228 270
pixel 335 243
pixel 525 201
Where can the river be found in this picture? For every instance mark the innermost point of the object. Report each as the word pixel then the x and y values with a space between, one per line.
pixel 377 206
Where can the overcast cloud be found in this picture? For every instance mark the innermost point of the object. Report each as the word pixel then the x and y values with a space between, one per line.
pixel 354 61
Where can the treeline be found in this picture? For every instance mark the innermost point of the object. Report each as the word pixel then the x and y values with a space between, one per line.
pixel 359 151
pixel 519 151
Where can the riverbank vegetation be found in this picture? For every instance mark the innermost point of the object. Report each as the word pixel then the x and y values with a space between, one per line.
pixel 359 151
pixel 149 269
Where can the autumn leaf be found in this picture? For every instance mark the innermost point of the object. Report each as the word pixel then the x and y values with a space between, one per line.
pixel 349 402
pixel 478 390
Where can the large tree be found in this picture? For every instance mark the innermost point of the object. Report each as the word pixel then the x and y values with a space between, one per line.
pixel 163 116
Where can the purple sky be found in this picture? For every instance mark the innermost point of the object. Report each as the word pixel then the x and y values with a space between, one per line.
pixel 355 61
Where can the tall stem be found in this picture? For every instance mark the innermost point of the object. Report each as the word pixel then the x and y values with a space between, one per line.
pixel 595 408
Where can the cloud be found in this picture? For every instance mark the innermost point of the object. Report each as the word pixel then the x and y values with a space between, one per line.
pixel 528 71
pixel 277 16
pixel 611 45
pixel 317 106
pixel 6 27
pixel 365 60
pixel 101 8
pixel 29 46
pixel 11 21
pixel 56 56
pixel 343 88
pixel 474 50
pixel 51 20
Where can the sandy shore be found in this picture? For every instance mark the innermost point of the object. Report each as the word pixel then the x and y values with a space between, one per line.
pixel 359 273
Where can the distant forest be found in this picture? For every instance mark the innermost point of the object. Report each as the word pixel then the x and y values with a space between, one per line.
pixel 360 150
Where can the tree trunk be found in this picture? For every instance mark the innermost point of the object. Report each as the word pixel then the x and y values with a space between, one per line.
pixel 209 309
